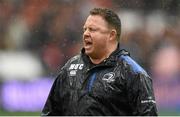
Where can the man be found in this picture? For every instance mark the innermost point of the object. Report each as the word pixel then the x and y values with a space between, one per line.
pixel 102 79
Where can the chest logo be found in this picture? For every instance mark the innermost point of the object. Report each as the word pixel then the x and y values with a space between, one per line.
pixel 109 77
pixel 76 66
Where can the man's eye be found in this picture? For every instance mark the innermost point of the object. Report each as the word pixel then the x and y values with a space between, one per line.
pixel 92 29
pixel 89 29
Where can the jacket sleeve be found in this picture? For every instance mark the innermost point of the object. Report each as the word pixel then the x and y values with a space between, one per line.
pixel 141 95
pixel 52 106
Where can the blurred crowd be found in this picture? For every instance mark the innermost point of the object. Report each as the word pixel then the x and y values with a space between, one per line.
pixel 49 32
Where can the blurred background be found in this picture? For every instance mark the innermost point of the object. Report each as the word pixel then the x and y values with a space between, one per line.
pixel 37 37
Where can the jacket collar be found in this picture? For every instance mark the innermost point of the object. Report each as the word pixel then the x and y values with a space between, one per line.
pixel 110 61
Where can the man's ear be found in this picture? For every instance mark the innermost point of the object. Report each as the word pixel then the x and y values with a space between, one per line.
pixel 113 34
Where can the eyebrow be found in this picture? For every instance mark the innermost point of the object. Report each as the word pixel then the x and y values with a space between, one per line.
pixel 90 25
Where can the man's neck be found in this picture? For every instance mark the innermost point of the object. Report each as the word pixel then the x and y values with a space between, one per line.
pixel 100 59
pixel 97 60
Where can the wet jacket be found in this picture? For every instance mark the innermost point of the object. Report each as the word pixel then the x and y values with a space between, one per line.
pixel 116 86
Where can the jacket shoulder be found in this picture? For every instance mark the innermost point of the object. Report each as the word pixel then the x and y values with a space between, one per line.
pixel 67 65
pixel 132 64
pixel 74 58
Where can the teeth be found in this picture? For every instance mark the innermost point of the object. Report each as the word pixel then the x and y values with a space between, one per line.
pixel 88 42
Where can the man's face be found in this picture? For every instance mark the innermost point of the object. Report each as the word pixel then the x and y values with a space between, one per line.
pixel 95 36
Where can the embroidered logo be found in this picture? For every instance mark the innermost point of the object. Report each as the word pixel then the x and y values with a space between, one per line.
pixel 76 66
pixel 73 72
pixel 109 77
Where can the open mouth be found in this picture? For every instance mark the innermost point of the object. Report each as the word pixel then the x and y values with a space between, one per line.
pixel 87 44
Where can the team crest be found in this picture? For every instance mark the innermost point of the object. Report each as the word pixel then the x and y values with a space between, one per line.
pixel 109 77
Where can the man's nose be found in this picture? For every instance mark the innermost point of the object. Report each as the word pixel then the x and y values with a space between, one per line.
pixel 86 33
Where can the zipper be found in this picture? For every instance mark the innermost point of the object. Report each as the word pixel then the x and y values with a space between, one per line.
pixel 91 81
